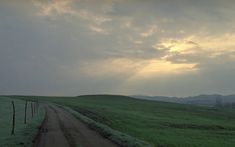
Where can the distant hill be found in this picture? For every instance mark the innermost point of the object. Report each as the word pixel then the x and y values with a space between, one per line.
pixel 209 100
pixel 159 98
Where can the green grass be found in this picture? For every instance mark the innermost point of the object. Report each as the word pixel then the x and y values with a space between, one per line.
pixel 159 123
pixel 24 133
pixel 118 137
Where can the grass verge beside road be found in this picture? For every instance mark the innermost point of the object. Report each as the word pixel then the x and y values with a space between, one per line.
pixel 159 123
pixel 119 138
pixel 24 133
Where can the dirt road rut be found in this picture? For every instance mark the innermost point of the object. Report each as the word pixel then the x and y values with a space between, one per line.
pixel 62 129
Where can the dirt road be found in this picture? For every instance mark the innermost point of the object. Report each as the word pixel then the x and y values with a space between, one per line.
pixel 62 129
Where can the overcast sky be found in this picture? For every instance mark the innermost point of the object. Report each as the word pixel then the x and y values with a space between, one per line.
pixel 147 47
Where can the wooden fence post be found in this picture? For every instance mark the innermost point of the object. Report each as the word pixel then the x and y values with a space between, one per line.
pixel 25 112
pixel 37 104
pixel 32 109
pixel 34 105
pixel 13 118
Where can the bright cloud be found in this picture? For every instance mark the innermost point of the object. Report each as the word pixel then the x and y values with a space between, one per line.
pixel 150 31
pixel 162 68
pixel 55 7
pixel 177 45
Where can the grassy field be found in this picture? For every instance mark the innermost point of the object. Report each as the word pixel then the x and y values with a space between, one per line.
pixel 160 123
pixel 24 133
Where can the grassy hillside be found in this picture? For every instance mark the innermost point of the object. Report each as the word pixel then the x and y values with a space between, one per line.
pixel 160 123
pixel 24 133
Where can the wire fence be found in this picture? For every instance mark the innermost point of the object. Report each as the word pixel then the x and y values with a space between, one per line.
pixel 34 110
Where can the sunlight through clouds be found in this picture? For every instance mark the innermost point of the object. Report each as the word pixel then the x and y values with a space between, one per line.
pixel 136 68
pixel 117 41
pixel 162 68
pixel 177 45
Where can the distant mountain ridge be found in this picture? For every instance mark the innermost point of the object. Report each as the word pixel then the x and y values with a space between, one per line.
pixel 210 100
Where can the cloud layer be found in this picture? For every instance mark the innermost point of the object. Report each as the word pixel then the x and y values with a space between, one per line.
pixel 153 47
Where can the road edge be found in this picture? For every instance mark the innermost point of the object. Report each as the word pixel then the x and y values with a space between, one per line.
pixel 115 136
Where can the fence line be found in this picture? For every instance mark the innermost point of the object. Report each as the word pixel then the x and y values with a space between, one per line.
pixel 34 109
